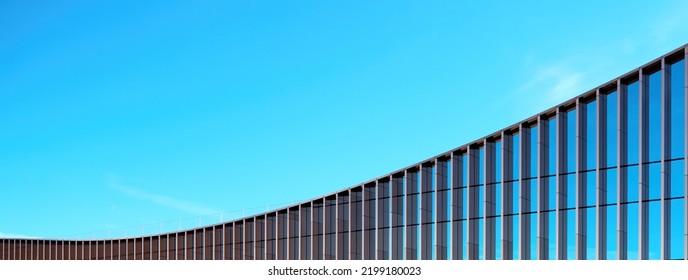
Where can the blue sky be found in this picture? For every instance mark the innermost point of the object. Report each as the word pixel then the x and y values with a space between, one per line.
pixel 144 115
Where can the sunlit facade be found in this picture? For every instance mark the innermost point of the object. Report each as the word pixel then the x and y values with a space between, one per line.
pixel 601 176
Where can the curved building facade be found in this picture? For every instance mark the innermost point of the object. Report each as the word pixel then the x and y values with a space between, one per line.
pixel 600 176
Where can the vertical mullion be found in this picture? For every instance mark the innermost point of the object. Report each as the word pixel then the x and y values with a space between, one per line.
pixel 456 207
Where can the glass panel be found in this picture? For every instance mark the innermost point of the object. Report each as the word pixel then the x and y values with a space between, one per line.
pixel 412 219
pixel 515 195
pixel 632 181
pixel 591 227
pixel 611 118
pixel 533 236
pixel 343 221
pixel 676 178
pixel 571 190
pixel 654 236
pixel 570 234
pixel 677 225
pixel 611 232
pixel 552 193
pixel 570 141
pixel 533 195
pixel 533 157
pixel 677 101
pixel 612 187
pixel 305 232
pixel 654 184
pixel 632 118
pixel 498 161
pixel 481 165
pixel 632 231
pixel 655 115
pixel 498 238
pixel 590 188
pixel 552 234
pixel 591 135
pixel 481 241
pixel 515 163
pixel 552 147
pixel 498 199
pixel 356 224
pixel 516 237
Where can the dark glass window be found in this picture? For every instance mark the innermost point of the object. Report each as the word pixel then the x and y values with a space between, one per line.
pixel 611 128
pixel 632 121
pixel 655 115
pixel 591 135
pixel 677 103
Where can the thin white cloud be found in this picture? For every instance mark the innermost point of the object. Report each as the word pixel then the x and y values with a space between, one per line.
pixel 163 200
pixel 12 235
pixel 552 84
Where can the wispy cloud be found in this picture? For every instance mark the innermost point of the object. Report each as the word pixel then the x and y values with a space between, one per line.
pixel 161 199
pixel 555 82
pixel 12 235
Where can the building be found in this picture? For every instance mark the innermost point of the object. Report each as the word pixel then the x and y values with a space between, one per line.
pixel 601 176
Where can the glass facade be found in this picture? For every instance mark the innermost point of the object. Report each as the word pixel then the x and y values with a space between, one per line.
pixel 601 176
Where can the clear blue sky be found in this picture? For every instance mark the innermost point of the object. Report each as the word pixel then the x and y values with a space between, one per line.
pixel 115 114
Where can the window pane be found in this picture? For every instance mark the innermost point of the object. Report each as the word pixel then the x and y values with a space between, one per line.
pixel 591 135
pixel 533 155
pixel 677 226
pixel 676 178
pixel 611 232
pixel 655 114
pixel 590 188
pixel 611 118
pixel 632 183
pixel 632 231
pixel 654 184
pixel 632 118
pixel 591 227
pixel 654 230
pixel 516 141
pixel 498 161
pixel 552 147
pixel 571 141
pixel 612 187
pixel 677 101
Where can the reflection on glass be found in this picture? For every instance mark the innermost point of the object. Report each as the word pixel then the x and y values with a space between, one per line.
pixel 612 187
pixel 677 223
pixel 632 121
pixel 611 232
pixel 552 147
pixel 654 115
pixel 591 229
pixel 590 135
pixel 677 103
pixel 571 141
pixel 632 231
pixel 676 178
pixel 611 131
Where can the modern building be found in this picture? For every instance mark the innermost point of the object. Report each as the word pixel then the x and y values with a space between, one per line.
pixel 600 176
